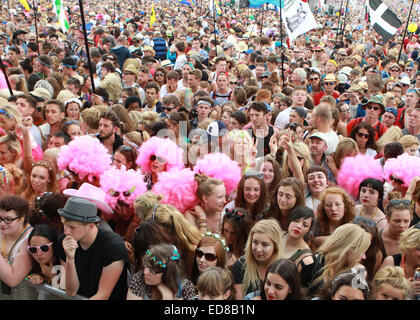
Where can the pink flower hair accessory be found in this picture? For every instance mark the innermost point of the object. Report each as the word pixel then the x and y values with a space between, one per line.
pixel 178 188
pixel 122 186
pixel 86 156
pixel 354 170
pixel 161 148
pixel 220 166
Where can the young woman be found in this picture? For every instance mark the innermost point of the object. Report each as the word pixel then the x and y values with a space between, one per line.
pixel 242 149
pixel 162 277
pixel 160 76
pixel 399 215
pixel 73 109
pixel 15 262
pixel 341 252
pixel 390 284
pixel 236 226
pixel 371 192
pixel 42 178
pixel 263 247
pixel 317 182
pixel 299 225
pixel 215 283
pixel 335 209
pixel 251 195
pixel 125 156
pixel 72 128
pixel 10 150
pixel 272 174
pixel 342 288
pixel 289 194
pixel 364 135
pixel 347 147
pixel 42 242
pixel 211 251
pixel 281 283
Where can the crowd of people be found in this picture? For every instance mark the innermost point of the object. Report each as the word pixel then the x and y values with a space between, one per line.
pixel 197 158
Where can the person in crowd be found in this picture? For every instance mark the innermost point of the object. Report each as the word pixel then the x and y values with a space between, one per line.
pixel 390 284
pixel 316 182
pixel 272 174
pixel 215 283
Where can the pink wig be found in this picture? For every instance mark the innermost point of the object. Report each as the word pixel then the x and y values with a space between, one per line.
pixel 404 167
pixel 220 166
pixel 122 180
pixel 86 156
pixel 178 188
pixel 355 169
pixel 160 147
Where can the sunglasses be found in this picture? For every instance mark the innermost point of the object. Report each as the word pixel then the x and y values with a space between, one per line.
pixel 168 109
pixel 159 159
pixel 396 202
pixel 114 193
pixel 363 135
pixel 159 74
pixel 396 180
pixel 395 70
pixel 208 256
pixel 330 83
pixel 372 107
pixel 313 79
pixel 408 69
pixel 360 220
pixel 43 248
pixel 237 215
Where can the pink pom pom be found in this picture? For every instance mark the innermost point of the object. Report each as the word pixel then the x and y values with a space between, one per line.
pixel 86 156
pixel 404 167
pixel 160 147
pixel 220 166
pixel 354 170
pixel 122 180
pixel 178 188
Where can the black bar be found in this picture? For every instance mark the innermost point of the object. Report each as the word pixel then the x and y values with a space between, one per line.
pixel 405 31
pixel 36 25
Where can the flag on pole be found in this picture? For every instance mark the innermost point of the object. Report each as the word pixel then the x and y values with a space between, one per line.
pixel 259 3
pixel 62 16
pixel 297 18
pixel 152 16
pixel 25 4
pixel 187 2
pixel 384 21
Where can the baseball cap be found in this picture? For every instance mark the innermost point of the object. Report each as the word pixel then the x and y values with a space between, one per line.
pixel 319 135
pixel 216 129
pixel 392 110
pixel 40 94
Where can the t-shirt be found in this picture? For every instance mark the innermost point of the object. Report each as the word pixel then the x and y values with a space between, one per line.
pixel 267 138
pixel 107 248
pixel 238 271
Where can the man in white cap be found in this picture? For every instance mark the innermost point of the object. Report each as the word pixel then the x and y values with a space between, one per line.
pixel 317 146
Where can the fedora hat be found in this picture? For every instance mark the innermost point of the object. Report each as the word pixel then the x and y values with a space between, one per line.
pixel 78 209
pixel 91 193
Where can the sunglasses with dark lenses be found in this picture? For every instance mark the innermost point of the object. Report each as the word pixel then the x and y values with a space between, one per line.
pixel 159 159
pixel 395 70
pixel 360 220
pixel 363 135
pixel 114 193
pixel 408 69
pixel 330 83
pixel 237 215
pixel 313 79
pixel 168 109
pixel 159 74
pixel 372 107
pixel 43 248
pixel 396 202
pixel 396 180
pixel 208 256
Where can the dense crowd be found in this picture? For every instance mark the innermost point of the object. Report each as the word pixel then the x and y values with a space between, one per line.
pixel 194 157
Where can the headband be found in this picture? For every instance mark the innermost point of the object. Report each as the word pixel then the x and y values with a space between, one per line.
pixel 203 102
pixel 158 263
pixel 75 101
pixel 217 237
pixel 190 64
pixel 43 63
pixel 8 115
pixel 333 62
pixel 135 146
pixel 68 66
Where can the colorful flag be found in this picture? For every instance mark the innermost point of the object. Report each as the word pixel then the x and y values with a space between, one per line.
pixel 259 3
pixel 187 2
pixel 62 16
pixel 152 16
pixel 25 4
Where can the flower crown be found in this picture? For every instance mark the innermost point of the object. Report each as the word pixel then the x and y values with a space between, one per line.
pixel 216 236
pixel 158 263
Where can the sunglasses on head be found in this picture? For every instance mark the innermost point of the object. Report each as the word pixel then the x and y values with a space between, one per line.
pixel 396 202
pixel 43 248
pixel 396 180
pixel 67 123
pixel 159 159
pixel 254 174
pixel 376 108
pixel 363 135
pixel 208 256
pixel 360 220
pixel 237 215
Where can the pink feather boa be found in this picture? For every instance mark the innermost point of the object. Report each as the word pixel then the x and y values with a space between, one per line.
pixel 122 180
pixel 220 166
pixel 160 147
pixel 355 169
pixel 86 156
pixel 178 188
pixel 404 167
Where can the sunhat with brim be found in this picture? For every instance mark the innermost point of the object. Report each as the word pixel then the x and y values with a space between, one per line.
pixel 166 63
pixel 81 210
pixel 91 193
pixel 375 99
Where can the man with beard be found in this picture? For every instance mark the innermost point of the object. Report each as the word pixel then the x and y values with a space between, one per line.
pixel 108 126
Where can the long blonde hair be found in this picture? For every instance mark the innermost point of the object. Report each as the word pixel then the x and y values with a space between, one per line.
pixel 346 238
pixel 271 228
pixel 393 134
pixel 303 149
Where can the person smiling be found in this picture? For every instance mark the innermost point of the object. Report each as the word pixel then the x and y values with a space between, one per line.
pixel 317 182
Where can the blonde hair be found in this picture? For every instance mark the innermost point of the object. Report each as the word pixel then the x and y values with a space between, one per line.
pixel 393 134
pixel 20 82
pixel 271 228
pixel 344 148
pixel 408 141
pixel 394 276
pixel 135 117
pixel 303 149
pixel 112 84
pixel 13 144
pixel 144 205
pixel 137 137
pixel 410 239
pixel 348 237
pixel 91 117
pixel 12 113
pixel 215 281
pixel 148 117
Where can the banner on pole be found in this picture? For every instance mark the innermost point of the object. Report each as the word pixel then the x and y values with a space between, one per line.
pixel 297 18
pixel 61 13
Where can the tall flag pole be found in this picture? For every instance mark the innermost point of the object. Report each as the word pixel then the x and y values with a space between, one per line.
pixel 212 9
pixel 36 25
pixel 344 23
pixel 281 6
pixel 82 13
pixel 339 18
pixel 405 31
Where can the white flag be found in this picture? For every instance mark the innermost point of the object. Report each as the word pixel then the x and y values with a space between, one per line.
pixel 298 19
pixel 211 7
pixel 61 13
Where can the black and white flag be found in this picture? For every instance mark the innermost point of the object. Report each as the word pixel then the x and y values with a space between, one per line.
pixel 384 21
